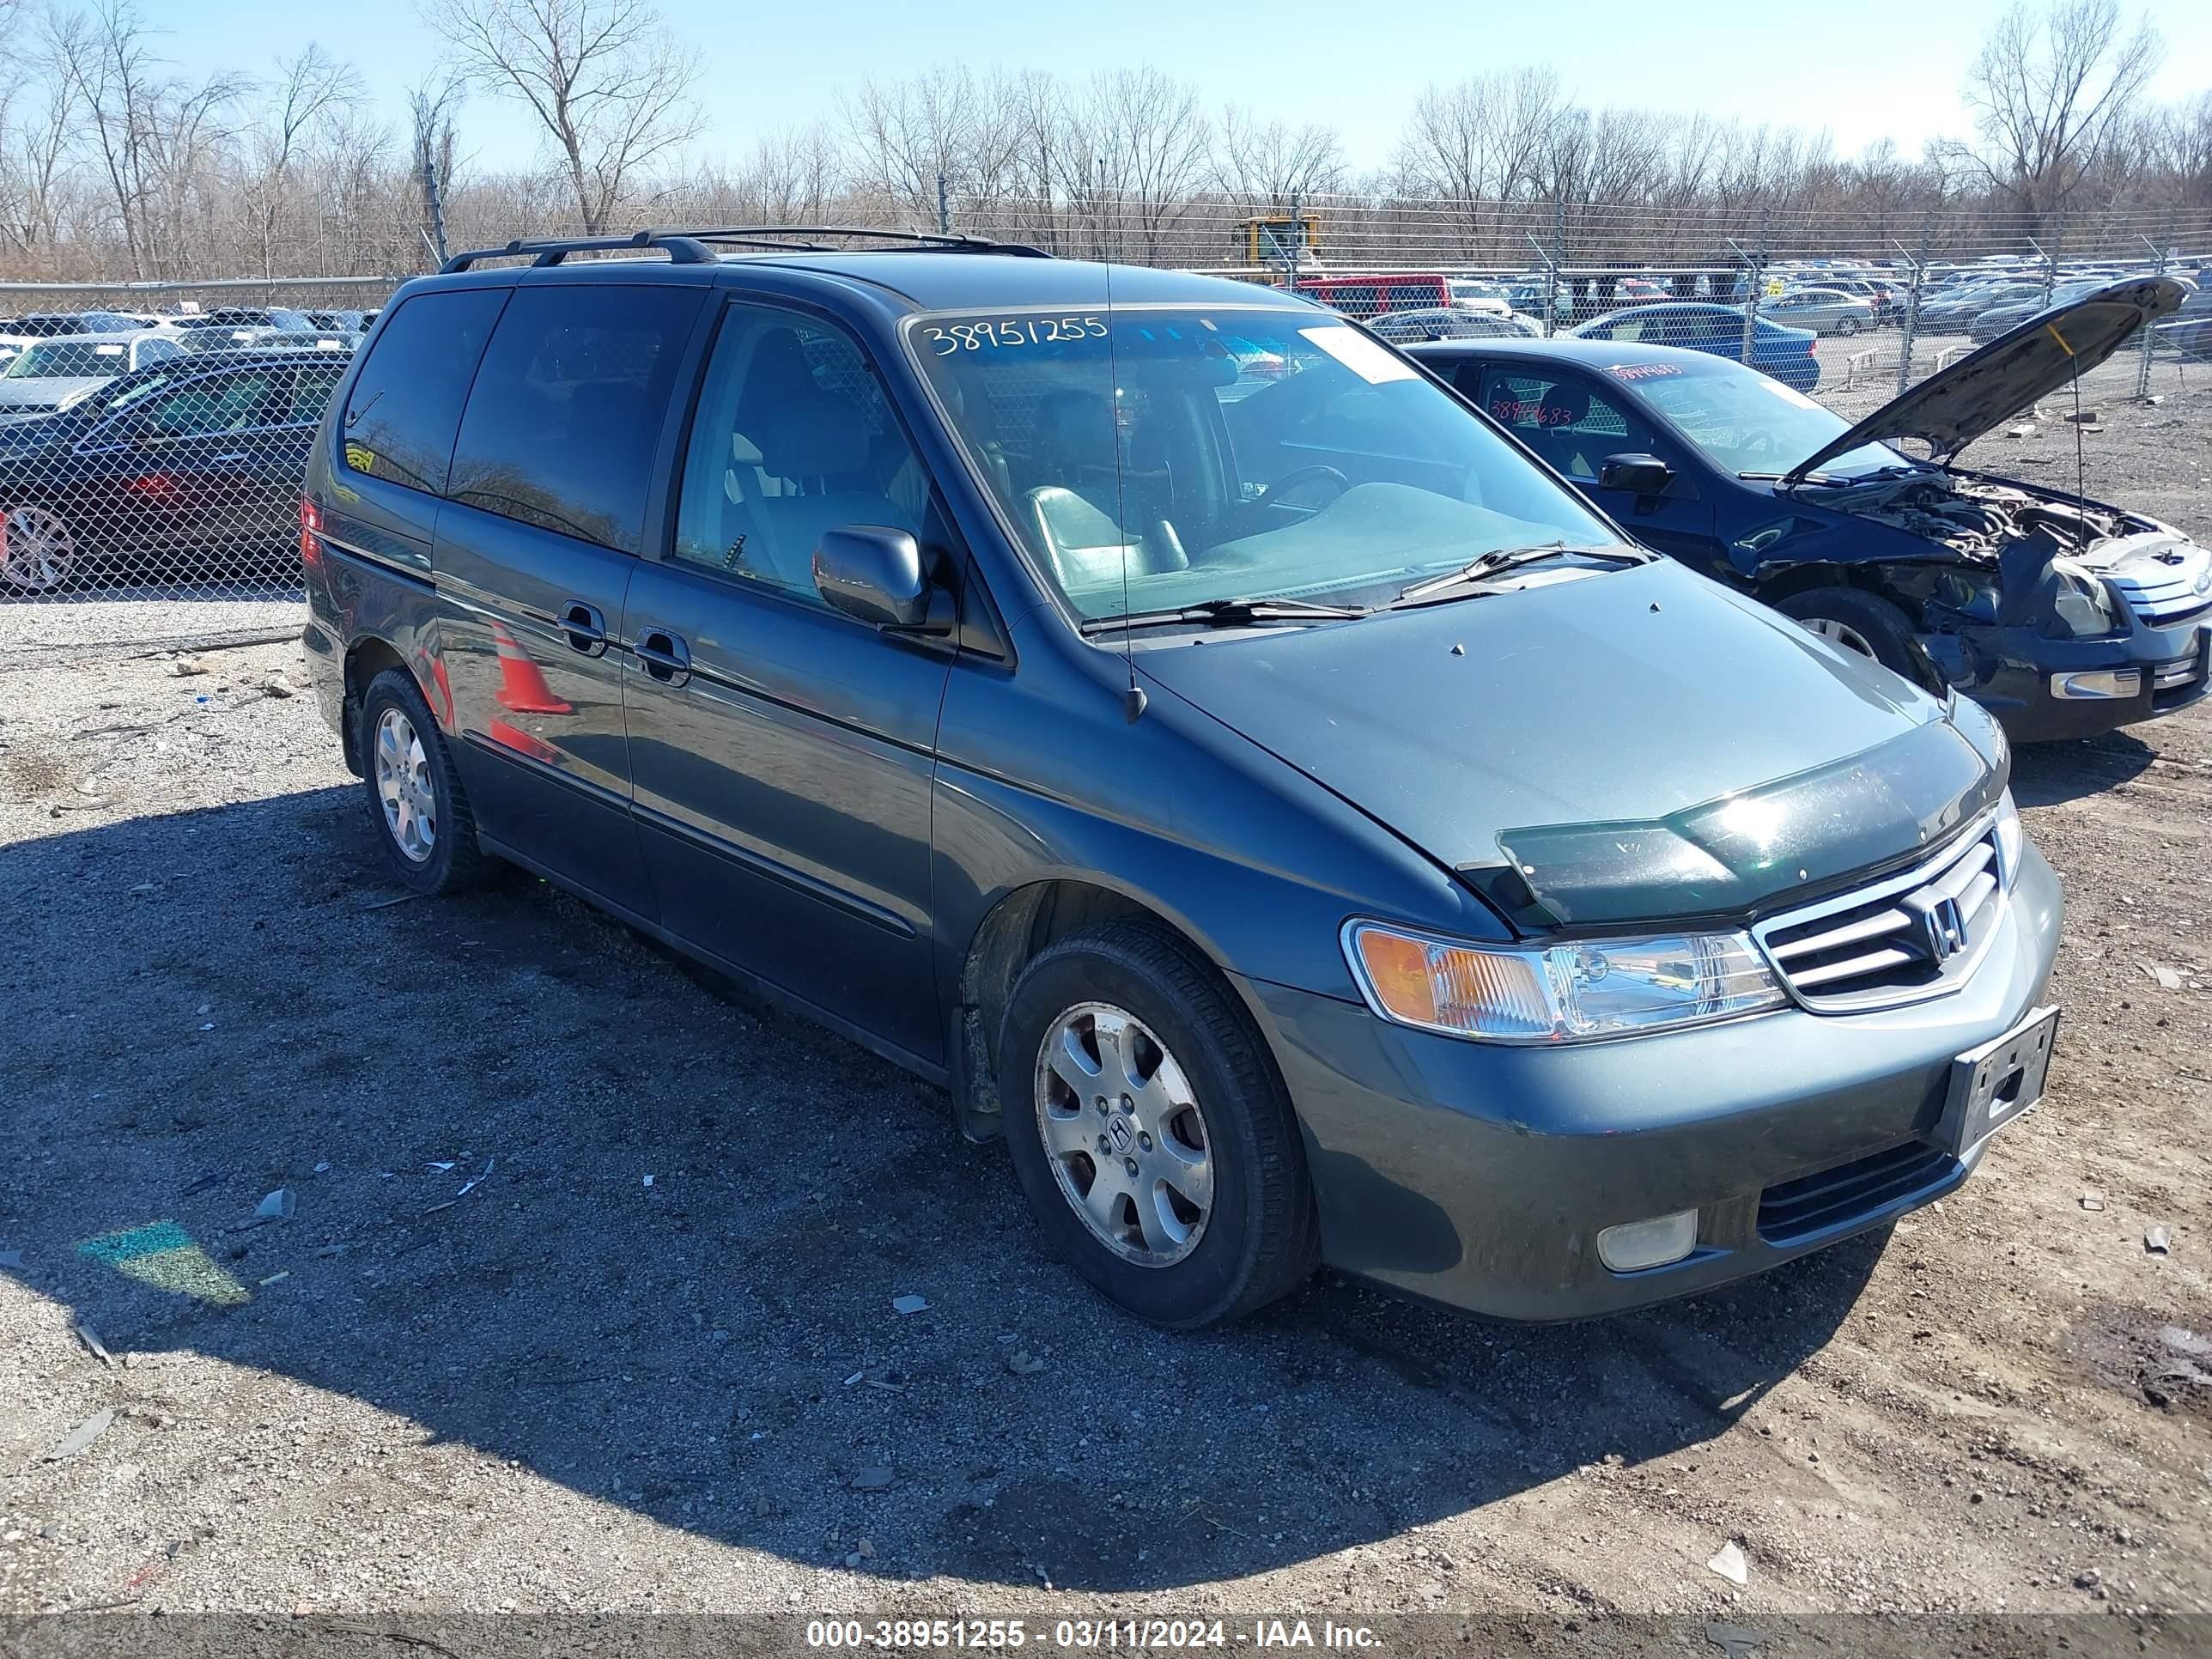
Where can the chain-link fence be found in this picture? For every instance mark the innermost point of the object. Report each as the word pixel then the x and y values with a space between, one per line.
pixel 153 435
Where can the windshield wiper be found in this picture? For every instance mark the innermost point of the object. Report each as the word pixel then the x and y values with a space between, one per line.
pixel 1228 613
pixel 1499 560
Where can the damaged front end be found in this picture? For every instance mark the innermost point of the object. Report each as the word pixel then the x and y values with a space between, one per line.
pixel 2064 618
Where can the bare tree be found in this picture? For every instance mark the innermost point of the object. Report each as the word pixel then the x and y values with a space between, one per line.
pixel 1270 165
pixel 2045 88
pixel 608 82
pixel 1137 147
pixel 312 89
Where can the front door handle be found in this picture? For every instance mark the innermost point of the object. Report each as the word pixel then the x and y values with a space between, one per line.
pixel 226 460
pixel 666 657
pixel 585 625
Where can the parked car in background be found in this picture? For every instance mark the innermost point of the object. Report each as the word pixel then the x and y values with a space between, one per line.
pixel 1452 324
pixel 45 324
pixel 1364 295
pixel 1790 354
pixel 228 317
pixel 337 322
pixel 2002 318
pixel 1886 300
pixel 53 373
pixel 1823 310
pixel 273 339
pixel 1955 312
pixel 195 461
pixel 2065 617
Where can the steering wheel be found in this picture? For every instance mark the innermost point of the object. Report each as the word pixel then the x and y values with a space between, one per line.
pixel 1297 479
pixel 1755 446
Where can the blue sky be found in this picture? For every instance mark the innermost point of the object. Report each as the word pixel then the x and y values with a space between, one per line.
pixel 1863 69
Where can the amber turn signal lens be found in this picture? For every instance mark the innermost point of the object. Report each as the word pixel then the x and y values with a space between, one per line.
pixel 1398 969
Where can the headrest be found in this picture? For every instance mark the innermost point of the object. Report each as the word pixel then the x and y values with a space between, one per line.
pixel 812 437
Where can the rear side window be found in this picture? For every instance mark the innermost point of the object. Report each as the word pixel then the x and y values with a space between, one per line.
pixel 312 395
pixel 400 416
pixel 562 425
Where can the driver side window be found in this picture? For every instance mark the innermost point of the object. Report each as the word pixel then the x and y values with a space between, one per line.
pixel 1570 423
pixel 792 436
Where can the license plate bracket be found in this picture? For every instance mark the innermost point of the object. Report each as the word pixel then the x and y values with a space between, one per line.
pixel 1994 1084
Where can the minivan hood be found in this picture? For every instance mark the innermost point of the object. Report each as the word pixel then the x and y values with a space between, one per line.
pixel 1953 406
pixel 1634 746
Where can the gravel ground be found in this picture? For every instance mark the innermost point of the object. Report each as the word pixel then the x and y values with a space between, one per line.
pixel 587 1302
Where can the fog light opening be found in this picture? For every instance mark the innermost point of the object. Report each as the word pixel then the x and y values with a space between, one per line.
pixel 1635 1245
pixel 2098 683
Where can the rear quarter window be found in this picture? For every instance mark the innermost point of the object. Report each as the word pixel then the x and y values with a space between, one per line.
pixel 405 406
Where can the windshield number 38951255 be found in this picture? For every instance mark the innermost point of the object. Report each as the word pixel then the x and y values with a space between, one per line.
pixel 1012 331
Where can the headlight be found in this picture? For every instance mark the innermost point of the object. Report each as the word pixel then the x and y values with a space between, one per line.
pixel 1561 992
pixel 2083 606
pixel 2012 840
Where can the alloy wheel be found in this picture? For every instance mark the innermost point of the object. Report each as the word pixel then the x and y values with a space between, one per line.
pixel 37 549
pixel 1841 633
pixel 404 786
pixel 1123 1131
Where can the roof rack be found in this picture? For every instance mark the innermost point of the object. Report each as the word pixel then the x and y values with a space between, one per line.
pixel 690 247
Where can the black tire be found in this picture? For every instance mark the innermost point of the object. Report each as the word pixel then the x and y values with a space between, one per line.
pixel 1886 631
pixel 1847 326
pixel 1260 1239
pixel 453 861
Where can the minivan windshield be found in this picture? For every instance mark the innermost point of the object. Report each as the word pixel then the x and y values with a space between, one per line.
pixel 1157 458
pixel 1746 422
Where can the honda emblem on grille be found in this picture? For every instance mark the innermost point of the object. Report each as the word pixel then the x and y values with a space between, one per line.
pixel 1942 925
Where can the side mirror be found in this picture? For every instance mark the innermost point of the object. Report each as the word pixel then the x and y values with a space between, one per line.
pixel 1639 475
pixel 874 575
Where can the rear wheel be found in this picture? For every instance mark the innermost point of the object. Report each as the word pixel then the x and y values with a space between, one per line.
pixel 415 802
pixel 1149 1131
pixel 39 550
pixel 1847 325
pixel 1864 622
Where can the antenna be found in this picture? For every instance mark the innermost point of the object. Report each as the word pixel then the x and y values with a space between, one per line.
pixel 1133 703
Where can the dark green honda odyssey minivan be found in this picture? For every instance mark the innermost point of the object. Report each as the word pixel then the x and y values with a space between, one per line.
pixel 1248 780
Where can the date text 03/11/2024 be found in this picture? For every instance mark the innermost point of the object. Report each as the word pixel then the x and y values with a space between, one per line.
pixel 1087 1635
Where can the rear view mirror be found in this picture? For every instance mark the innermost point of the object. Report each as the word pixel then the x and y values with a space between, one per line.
pixel 1640 474
pixel 874 573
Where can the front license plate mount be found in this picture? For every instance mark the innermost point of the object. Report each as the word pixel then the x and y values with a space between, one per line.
pixel 1995 1083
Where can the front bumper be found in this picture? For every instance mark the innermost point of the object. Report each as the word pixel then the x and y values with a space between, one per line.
pixel 2010 672
pixel 1480 1175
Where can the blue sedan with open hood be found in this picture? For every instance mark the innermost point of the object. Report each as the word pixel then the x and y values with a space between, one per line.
pixel 2063 616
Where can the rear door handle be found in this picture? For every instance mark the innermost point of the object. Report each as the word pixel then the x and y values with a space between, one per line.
pixel 585 625
pixel 225 460
pixel 666 657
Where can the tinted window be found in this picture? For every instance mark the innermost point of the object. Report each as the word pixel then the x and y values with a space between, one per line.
pixel 231 402
pixel 400 418
pixel 312 395
pixel 793 437
pixel 1568 421
pixel 566 408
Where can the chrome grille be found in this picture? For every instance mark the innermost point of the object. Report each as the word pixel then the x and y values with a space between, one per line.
pixel 1915 935
pixel 2164 587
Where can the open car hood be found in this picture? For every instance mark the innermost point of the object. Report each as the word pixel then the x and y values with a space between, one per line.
pixel 1953 406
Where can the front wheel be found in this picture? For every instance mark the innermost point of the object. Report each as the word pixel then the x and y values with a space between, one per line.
pixel 1864 622
pixel 1847 326
pixel 1149 1131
